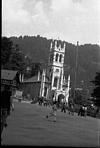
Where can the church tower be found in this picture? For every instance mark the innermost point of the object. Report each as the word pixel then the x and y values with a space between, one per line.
pixel 56 65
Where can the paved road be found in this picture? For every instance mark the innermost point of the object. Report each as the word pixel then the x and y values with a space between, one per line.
pixel 27 125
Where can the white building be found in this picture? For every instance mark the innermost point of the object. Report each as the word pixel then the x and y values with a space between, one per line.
pixel 55 72
pixel 51 84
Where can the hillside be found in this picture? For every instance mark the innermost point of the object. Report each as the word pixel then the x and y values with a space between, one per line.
pixel 37 48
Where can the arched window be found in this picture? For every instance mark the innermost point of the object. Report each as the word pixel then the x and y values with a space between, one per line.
pixel 55 81
pixel 60 59
pixel 57 57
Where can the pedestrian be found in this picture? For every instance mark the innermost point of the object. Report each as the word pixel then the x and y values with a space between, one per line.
pixel 53 112
pixel 85 109
pixel 71 108
pixel 63 109
pixel 11 104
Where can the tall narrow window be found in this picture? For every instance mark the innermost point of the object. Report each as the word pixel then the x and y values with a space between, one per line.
pixel 55 81
pixel 57 57
pixel 51 58
pixel 45 91
pixel 60 59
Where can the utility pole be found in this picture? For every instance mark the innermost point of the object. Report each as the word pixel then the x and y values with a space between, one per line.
pixel 76 63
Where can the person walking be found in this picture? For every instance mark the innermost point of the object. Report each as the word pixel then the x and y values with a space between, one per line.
pixel 53 112
pixel 80 111
pixel 11 104
pixel 85 109
pixel 63 109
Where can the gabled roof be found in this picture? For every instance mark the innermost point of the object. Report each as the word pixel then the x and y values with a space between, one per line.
pixel 32 79
pixel 35 79
pixel 8 74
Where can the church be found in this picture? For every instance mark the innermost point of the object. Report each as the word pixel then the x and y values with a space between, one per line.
pixel 55 72
pixel 52 83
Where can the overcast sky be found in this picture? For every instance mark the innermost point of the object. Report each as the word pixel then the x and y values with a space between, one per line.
pixel 70 20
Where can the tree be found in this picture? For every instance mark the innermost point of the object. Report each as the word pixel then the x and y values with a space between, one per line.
pixel 11 56
pixel 6 50
pixel 96 92
pixel 17 60
pixel 35 68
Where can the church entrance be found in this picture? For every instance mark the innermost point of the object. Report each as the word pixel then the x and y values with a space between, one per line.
pixel 60 97
pixel 60 100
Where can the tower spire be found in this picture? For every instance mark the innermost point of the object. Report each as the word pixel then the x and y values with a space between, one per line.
pixel 64 46
pixel 51 46
pixel 56 44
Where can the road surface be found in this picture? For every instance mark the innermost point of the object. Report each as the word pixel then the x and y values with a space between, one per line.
pixel 28 125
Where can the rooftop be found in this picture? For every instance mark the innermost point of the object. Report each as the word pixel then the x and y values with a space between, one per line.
pixel 8 74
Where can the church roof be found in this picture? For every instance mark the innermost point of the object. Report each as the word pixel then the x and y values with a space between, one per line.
pixel 32 79
pixel 35 79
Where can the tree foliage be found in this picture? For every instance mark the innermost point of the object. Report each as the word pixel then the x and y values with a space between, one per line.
pixel 6 50
pixel 38 47
pixel 11 56
pixel 35 68
pixel 17 60
pixel 96 92
pixel 80 99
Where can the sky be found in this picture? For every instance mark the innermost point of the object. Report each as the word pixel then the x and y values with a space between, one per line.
pixel 69 20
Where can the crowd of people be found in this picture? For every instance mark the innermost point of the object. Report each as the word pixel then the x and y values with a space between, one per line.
pixel 80 110
pixel 64 107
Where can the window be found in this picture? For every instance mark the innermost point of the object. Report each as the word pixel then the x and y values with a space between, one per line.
pixel 57 57
pixel 45 91
pixel 57 70
pixel 51 58
pixel 55 81
pixel 60 59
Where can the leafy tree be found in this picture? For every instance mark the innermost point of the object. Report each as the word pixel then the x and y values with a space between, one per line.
pixel 96 92
pixel 11 56
pixel 80 97
pixel 38 47
pixel 17 60
pixel 31 68
pixel 35 68
pixel 6 50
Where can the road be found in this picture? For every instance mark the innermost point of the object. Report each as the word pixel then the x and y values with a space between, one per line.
pixel 27 125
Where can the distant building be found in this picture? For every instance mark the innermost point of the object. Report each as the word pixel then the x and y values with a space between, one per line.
pixel 51 83
pixel 9 77
pixel 36 86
